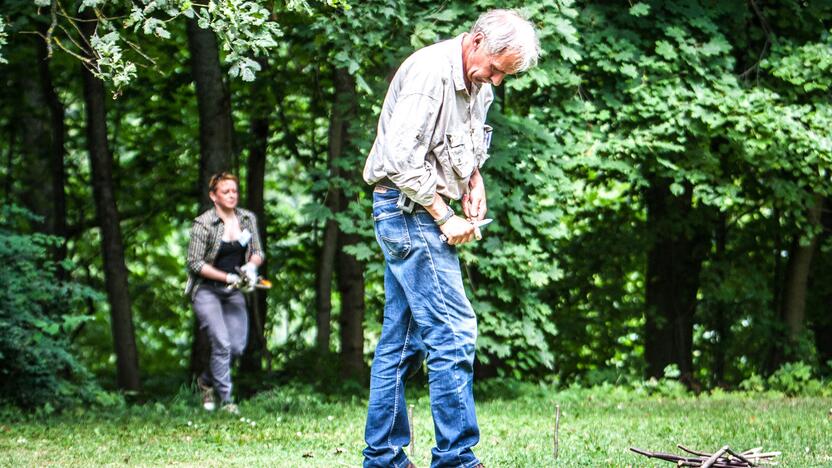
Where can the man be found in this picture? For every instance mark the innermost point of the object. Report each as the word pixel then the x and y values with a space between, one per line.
pixel 431 141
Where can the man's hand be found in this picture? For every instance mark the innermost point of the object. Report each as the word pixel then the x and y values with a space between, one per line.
pixel 473 202
pixel 457 230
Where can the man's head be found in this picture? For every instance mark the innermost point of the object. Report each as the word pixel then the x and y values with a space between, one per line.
pixel 501 42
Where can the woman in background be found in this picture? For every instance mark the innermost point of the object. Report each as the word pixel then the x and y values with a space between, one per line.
pixel 224 242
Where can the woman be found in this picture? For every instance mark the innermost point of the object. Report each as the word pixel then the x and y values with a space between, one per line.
pixel 224 241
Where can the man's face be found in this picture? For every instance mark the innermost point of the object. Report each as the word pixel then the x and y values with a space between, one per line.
pixel 482 67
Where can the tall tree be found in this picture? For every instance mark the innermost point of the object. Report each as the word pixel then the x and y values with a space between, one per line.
pixel 329 243
pixel 215 138
pixel 349 271
pixel 40 138
pixel 795 290
pixel 255 182
pixel 822 320
pixel 58 223
pixel 115 270
pixel 672 280
pixel 216 129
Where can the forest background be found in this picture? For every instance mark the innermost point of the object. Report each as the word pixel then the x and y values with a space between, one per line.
pixel 660 185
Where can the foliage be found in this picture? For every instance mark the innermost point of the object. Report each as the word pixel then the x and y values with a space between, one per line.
pixel 3 36
pixel 38 313
pixel 245 29
pixel 796 379
pixel 723 104
pixel 791 379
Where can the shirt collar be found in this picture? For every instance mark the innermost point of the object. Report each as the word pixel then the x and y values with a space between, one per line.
pixel 215 218
pixel 456 63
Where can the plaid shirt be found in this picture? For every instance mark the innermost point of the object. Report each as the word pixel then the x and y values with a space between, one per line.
pixel 206 236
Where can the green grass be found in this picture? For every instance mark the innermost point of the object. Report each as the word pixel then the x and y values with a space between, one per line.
pixel 296 427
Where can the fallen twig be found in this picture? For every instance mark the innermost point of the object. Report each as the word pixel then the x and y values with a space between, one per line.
pixel 725 457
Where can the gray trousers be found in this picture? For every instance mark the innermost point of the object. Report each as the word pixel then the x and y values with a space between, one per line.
pixel 222 313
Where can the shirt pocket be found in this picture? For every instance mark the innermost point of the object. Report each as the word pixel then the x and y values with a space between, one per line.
pixel 460 155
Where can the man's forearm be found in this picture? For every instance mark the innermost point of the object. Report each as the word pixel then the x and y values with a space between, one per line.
pixel 475 179
pixel 473 204
pixel 437 207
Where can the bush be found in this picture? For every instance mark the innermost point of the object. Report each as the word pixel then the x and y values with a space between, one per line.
pixel 37 369
pixel 795 378
pixel 791 379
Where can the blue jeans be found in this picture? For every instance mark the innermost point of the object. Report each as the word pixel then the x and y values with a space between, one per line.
pixel 426 312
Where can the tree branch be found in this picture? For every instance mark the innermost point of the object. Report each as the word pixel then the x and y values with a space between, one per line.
pixel 767 31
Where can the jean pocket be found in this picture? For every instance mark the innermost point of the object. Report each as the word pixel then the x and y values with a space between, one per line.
pixel 393 236
pixel 380 199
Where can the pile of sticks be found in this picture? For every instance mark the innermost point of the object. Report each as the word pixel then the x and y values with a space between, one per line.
pixel 722 458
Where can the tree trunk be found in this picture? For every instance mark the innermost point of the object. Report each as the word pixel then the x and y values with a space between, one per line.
pixel 774 355
pixel 115 270
pixel 329 243
pixel 793 308
pixel 350 278
pixel 58 223
pixel 8 180
pixel 214 102
pixel 721 325
pixel 255 179
pixel 215 139
pixel 326 268
pixel 823 316
pixel 42 130
pixel 673 264
pixel 37 136
pixel 349 271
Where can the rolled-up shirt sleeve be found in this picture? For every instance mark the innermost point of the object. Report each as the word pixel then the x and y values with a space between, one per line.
pixel 196 247
pixel 408 135
pixel 256 245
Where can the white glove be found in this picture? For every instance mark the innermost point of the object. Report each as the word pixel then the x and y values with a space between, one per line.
pixel 250 270
pixel 232 278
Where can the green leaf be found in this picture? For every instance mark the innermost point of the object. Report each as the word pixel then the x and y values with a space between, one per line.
pixel 677 189
pixel 629 70
pixel 666 50
pixel 640 9
pixel 569 54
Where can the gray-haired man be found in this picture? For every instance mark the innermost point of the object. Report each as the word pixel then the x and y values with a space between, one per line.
pixel 431 142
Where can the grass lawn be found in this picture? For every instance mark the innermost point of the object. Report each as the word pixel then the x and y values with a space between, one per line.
pixel 295 427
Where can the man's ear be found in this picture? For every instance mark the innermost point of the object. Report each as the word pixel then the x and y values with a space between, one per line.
pixel 478 39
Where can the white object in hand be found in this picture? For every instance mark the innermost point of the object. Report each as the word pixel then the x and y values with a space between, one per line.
pixel 232 278
pixel 477 226
pixel 250 270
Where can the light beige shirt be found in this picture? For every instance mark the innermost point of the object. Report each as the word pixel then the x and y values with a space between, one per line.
pixel 431 131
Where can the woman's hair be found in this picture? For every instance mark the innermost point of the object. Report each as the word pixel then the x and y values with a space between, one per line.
pixel 219 177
